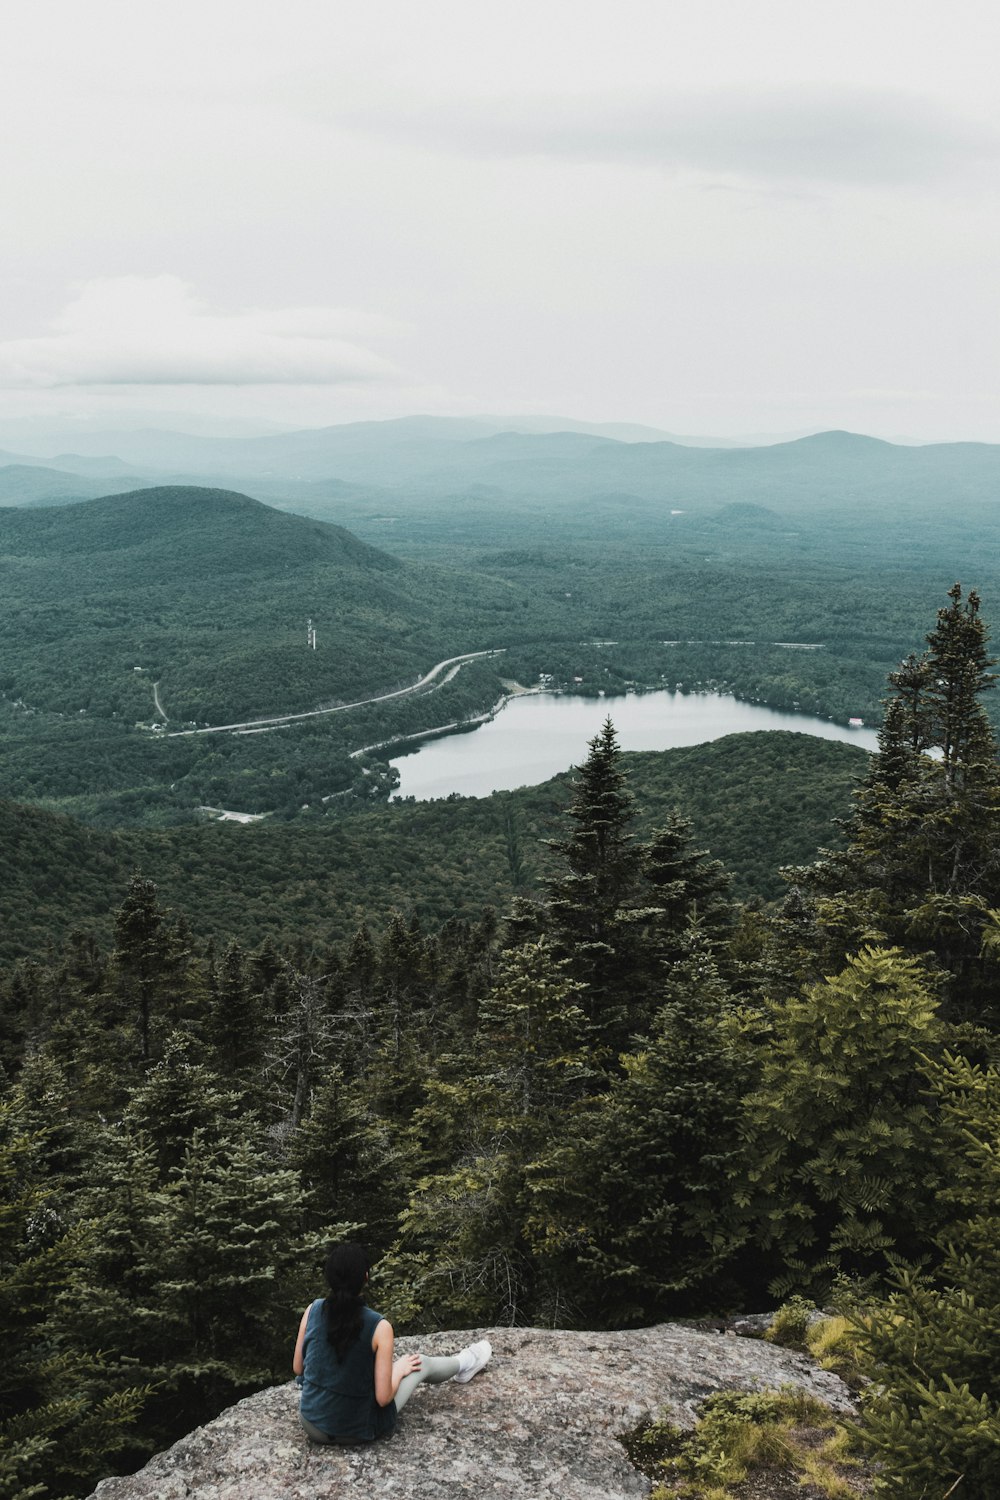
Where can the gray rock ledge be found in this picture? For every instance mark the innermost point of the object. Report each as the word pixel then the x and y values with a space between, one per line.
pixel 541 1420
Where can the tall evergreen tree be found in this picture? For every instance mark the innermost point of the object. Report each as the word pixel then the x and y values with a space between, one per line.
pixel 465 1253
pixel 303 1043
pixel 958 672
pixel 932 1412
pixel 63 1415
pixel 634 1211
pixel 842 1164
pixel 200 1246
pixel 591 913
pixel 922 866
pixel 148 965
pixel 683 886
pixel 235 1025
pixel 356 1164
pixel 401 987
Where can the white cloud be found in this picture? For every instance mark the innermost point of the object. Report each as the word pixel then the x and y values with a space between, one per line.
pixel 153 330
pixel 796 133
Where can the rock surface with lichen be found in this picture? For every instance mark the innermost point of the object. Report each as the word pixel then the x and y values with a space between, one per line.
pixel 542 1420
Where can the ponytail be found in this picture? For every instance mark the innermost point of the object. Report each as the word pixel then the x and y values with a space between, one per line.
pixel 346 1272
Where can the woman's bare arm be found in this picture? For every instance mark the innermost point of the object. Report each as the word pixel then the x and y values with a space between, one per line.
pixel 389 1374
pixel 297 1363
pixel 383 1342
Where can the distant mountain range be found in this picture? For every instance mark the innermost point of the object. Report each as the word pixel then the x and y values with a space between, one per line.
pixel 470 462
pixel 24 483
pixel 168 439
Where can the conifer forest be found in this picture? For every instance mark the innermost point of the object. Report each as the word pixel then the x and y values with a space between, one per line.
pixel 627 1095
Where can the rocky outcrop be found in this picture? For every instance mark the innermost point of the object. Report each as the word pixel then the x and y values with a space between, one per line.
pixel 542 1420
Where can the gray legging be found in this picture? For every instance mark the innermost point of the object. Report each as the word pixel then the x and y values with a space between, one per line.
pixel 434 1368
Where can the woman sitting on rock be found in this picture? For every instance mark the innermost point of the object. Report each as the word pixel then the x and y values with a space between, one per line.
pixel 352 1390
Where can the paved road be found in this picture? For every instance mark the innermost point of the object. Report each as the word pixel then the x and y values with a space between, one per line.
pixel 454 662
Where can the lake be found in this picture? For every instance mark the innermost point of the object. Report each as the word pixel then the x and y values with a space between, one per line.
pixel 537 735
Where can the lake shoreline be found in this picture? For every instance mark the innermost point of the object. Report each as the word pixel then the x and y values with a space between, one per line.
pixel 432 786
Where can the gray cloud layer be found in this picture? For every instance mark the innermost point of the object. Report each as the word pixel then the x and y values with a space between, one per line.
pixel 824 135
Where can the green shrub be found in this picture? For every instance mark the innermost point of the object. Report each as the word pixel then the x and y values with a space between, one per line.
pixel 790 1328
pixel 740 1433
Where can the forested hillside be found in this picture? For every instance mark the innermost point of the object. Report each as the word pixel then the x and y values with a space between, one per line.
pixel 624 1097
pixel 760 801
pixel 575 1054
pixel 207 593
pixel 129 618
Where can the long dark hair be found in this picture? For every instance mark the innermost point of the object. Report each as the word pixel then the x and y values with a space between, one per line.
pixel 346 1271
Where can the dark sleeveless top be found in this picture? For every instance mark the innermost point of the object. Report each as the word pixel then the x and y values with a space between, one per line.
pixel 338 1396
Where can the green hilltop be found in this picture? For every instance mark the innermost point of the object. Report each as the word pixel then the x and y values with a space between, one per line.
pixel 209 593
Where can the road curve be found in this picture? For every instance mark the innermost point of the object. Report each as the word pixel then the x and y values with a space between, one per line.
pixel 341 708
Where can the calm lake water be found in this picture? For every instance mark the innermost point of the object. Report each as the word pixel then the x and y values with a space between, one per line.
pixel 536 736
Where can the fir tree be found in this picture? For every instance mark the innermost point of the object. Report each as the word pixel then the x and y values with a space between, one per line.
pixel 356 1164
pixel 958 672
pixel 235 1024
pixel 148 967
pixel 684 888
pixel 590 912
pixel 841 1157
pixel 911 680
pixel 932 1413
pixel 465 1252
pixel 922 866
pixel 199 1248
pixel 358 1038
pixel 63 1415
pixel 401 989
pixel 635 1212
pixel 303 1044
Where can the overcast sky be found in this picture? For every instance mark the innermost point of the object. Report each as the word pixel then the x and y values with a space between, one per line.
pixel 713 216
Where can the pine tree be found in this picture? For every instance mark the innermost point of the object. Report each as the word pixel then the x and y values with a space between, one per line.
pixel 200 1246
pixel 401 991
pixel 841 1157
pixel 684 888
pixel 465 1254
pixel 911 680
pixel 356 1003
pixel 265 966
pixel 148 965
pixel 235 1025
pixel 932 1412
pixel 958 672
pixel 303 1044
pixel 635 1211
pixel 63 1415
pixel 534 1037
pixel 590 911
pixel 356 1164
pixel 516 865
pixel 689 885
pixel 922 866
